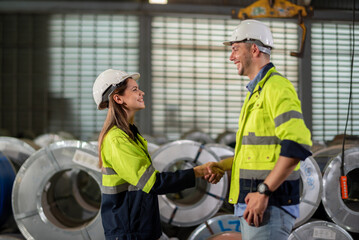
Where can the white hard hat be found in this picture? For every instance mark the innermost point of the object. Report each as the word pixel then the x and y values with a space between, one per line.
pixel 250 30
pixel 106 83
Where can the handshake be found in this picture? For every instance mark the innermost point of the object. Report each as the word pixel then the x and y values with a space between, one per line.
pixel 211 171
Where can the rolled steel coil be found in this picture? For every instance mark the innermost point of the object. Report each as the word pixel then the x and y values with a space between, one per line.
pixel 46 139
pixel 43 202
pixel 323 156
pixel 156 139
pixel 320 230
pixel 198 136
pixel 192 206
pixel 317 146
pixel 152 147
pixel 225 226
pixel 11 237
pixel 7 176
pixel 16 150
pixel 345 213
pixel 221 150
pixel 227 138
pixel 311 194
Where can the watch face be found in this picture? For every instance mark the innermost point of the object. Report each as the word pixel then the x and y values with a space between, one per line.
pixel 261 188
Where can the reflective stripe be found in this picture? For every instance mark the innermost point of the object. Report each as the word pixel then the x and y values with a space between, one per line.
pixel 262 174
pixel 285 117
pixel 252 139
pixel 115 189
pixel 108 171
pixel 132 188
pixel 145 177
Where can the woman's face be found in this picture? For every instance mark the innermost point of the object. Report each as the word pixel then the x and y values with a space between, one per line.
pixel 132 97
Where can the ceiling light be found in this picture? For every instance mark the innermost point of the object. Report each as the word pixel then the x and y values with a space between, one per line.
pixel 157 1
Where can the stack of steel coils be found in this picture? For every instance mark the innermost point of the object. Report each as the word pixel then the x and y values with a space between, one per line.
pixel 54 192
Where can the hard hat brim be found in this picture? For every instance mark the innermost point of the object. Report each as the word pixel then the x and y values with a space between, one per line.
pixel 135 76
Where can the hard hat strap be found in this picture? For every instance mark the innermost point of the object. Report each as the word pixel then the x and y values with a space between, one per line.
pixel 106 95
pixel 260 46
pixel 264 49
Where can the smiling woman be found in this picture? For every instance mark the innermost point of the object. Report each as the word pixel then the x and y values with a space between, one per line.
pixel 130 182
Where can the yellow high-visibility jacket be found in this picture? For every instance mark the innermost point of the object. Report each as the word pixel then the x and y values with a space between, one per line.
pixel 125 163
pixel 270 121
pixel 131 185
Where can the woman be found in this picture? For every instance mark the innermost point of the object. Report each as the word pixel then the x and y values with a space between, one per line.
pixel 130 183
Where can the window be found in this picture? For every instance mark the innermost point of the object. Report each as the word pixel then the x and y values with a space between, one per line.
pixel 194 85
pixel 81 47
pixel 331 70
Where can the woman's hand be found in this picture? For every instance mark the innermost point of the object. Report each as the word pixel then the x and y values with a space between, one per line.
pixel 211 171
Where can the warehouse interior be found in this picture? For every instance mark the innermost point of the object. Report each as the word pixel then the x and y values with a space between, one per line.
pixel 52 51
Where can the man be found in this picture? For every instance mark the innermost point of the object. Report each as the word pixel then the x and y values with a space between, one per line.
pixel 271 140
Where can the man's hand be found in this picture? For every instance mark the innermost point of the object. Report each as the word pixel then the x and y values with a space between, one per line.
pixel 215 172
pixel 256 205
pixel 211 171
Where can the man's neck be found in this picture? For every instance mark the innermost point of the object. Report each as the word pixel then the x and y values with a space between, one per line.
pixel 258 63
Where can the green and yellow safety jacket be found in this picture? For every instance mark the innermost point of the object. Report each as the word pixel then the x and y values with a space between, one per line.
pixel 130 185
pixel 270 121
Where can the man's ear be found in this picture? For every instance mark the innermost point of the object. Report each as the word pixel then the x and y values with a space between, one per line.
pixel 255 50
pixel 118 99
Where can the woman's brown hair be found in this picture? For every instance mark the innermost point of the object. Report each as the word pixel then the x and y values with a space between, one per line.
pixel 116 116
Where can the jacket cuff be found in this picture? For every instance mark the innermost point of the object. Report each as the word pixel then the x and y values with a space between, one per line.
pixel 293 150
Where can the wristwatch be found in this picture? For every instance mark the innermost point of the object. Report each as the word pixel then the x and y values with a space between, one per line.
pixel 263 188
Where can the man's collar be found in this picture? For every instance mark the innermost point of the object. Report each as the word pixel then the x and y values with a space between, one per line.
pixel 252 84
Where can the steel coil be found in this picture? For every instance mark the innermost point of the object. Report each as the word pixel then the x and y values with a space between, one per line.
pixel 43 201
pixel 47 138
pixel 344 213
pixel 319 230
pixel 221 150
pixel 323 156
pixel 7 176
pixel 152 147
pixel 225 226
pixel 191 206
pixel 197 136
pixel 227 138
pixel 11 237
pixel 311 194
pixel 156 139
pixel 16 150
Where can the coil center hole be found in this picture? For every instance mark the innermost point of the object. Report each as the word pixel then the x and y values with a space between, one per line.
pixel 353 190
pixel 71 198
pixel 189 196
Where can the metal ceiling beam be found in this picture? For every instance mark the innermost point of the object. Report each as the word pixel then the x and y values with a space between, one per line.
pixel 139 8
pixel 110 7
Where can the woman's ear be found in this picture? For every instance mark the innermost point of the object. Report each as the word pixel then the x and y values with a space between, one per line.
pixel 118 99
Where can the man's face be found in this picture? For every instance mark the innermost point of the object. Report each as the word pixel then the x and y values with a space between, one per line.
pixel 241 57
